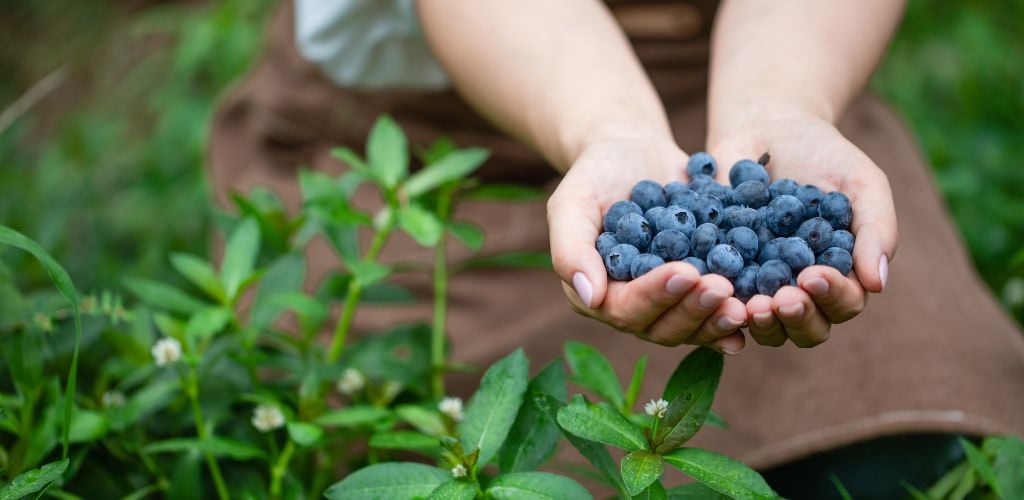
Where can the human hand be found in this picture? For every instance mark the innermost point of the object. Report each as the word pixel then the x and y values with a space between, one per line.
pixel 811 150
pixel 670 305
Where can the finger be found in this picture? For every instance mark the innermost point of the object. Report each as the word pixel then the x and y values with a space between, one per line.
pixel 725 320
pixel 764 326
pixel 632 306
pixel 730 344
pixel 838 297
pixel 677 323
pixel 574 225
pixel 804 324
pixel 874 225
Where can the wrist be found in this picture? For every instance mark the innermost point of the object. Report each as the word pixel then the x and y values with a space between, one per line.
pixel 745 120
pixel 573 142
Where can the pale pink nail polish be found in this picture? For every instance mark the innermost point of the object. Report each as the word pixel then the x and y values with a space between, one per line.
pixel 679 284
pixel 710 299
pixel 793 310
pixel 883 269
pixel 583 288
pixel 764 320
pixel 817 287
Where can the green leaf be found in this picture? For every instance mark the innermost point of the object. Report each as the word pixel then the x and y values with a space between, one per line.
pixel 207 322
pixel 716 420
pixel 163 297
pixel 694 491
pixel 468 234
pixel 981 465
pixel 592 370
pixel 945 484
pixel 454 490
pixel 504 192
pixel 387 481
pixel 535 485
pixel 602 423
pixel 387 152
pixel 368 272
pixel 284 275
pixel 595 453
pixel 425 420
pixel 915 493
pixel 353 416
pixel 689 392
pixel 640 469
pixel 200 273
pixel 1008 463
pixel 421 224
pixel 492 409
pixel 29 482
pixel 534 437
pixel 845 493
pixel 653 492
pixel 186 477
pixel 352 159
pixel 510 259
pixel 437 150
pixel 304 433
pixel 636 382
pixel 453 166
pixel 239 257
pixel 405 440
pixel 88 426
pixel 721 473
pixel 218 446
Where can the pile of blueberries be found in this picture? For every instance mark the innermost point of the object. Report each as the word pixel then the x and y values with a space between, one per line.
pixel 757 233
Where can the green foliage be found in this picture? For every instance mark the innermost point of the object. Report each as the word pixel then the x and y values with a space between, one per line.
pixel 995 470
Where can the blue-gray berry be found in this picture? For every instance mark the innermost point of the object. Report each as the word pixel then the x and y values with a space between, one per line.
pixel 783 186
pixel 703 239
pixel 617 210
pixel 633 229
pixel 836 209
pixel 605 242
pixel 745 284
pixel 843 239
pixel 643 263
pixel 701 163
pixel 817 232
pixel 618 261
pixel 647 194
pixel 796 254
pixel 810 196
pixel 677 218
pixel 747 170
pixel 771 276
pixel 671 245
pixel 744 240
pixel 702 267
pixel 784 215
pixel 837 258
pixel 753 194
pixel 725 260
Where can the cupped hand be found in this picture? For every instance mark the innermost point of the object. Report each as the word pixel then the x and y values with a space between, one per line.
pixel 670 305
pixel 810 150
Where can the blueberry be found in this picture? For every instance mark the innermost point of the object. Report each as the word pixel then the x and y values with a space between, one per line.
pixel 744 240
pixel 741 217
pixel 670 245
pixel 783 186
pixel 770 250
pixel 701 163
pixel 652 215
pixel 701 266
pixel 726 222
pixel 698 182
pixel 717 190
pixel 810 196
pixel 745 285
pixel 817 232
pixel 633 229
pixel 618 261
pixel 674 188
pixel 843 239
pixel 837 258
pixel 704 238
pixel 677 218
pixel 771 276
pixel 647 194
pixel 709 210
pixel 747 170
pixel 796 254
pixel 686 199
pixel 605 242
pixel 835 208
pixel 764 215
pixel 643 263
pixel 617 210
pixel 784 215
pixel 753 194
pixel 764 236
pixel 725 260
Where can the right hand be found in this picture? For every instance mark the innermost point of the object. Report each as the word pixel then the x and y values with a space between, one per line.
pixel 672 304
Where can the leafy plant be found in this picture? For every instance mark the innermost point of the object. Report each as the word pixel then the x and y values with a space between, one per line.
pixel 995 470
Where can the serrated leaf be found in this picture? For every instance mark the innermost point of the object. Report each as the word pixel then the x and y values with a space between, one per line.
pixel 639 469
pixel 387 481
pixel 981 465
pixel 694 491
pixel 636 382
pixel 421 224
pixel 451 167
pixel 239 257
pixel 492 410
pixel 405 440
pixel 207 322
pixel 534 437
pixel 200 273
pixel 425 420
pixel 592 370
pixel 163 297
pixel 535 485
pixel 602 423
pixel 468 234
pixel 353 416
pixel 690 392
pixel 387 152
pixel 304 433
pixel 721 473
pixel 595 453
pixel 29 482
pixel 504 192
pixel 454 490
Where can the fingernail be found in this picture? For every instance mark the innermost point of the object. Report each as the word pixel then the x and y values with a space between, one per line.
pixel 817 287
pixel 728 350
pixel 793 310
pixel 583 288
pixel 883 269
pixel 710 299
pixel 679 284
pixel 764 320
pixel 728 324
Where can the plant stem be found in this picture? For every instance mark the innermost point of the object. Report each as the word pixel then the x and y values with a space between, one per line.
pixel 192 390
pixel 355 289
pixel 280 467
pixel 440 300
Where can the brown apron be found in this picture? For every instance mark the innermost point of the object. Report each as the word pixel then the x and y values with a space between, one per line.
pixel 933 353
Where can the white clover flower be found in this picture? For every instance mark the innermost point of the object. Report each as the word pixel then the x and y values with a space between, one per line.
pixel 266 418
pixel 113 399
pixel 452 407
pixel 656 408
pixel 351 382
pixel 459 471
pixel 166 351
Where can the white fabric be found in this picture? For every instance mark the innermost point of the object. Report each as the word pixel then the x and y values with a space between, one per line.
pixel 367 44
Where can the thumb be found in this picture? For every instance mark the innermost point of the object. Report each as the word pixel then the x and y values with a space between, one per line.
pixel 874 225
pixel 574 224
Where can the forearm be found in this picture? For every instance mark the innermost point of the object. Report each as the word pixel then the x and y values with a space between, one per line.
pixel 554 74
pixel 806 55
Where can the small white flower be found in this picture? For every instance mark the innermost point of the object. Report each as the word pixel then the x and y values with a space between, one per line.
pixel 351 382
pixel 452 407
pixel 459 471
pixel 113 399
pixel 656 408
pixel 266 418
pixel 166 351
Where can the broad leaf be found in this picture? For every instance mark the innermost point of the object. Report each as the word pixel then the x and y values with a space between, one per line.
pixel 421 224
pixel 200 273
pixel 981 465
pixel 453 166
pixel 689 392
pixel 405 440
pixel 602 423
pixel 88 426
pixel 656 491
pixel 368 272
pixel 218 446
pixel 492 410
pixel 716 420
pixel 387 152
pixel 694 491
pixel 29 482
pixel 592 370
pixel 352 159
pixel 640 469
pixel 595 453
pixel 387 481
pixel 535 485
pixel 534 437
pixel 239 257
pixel 468 234
pixel 354 416
pixel 207 322
pixel 636 383
pixel 721 473
pixel 163 297
pixel 304 433
pixel 425 420
pixel 454 490
pixel 284 275
pixel 1007 463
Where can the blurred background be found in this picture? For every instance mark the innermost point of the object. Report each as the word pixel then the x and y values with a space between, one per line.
pixel 104 108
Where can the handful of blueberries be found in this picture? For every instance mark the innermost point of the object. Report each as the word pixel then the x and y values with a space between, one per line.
pixel 757 233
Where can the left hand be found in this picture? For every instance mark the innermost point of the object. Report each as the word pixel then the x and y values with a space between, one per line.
pixel 811 150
